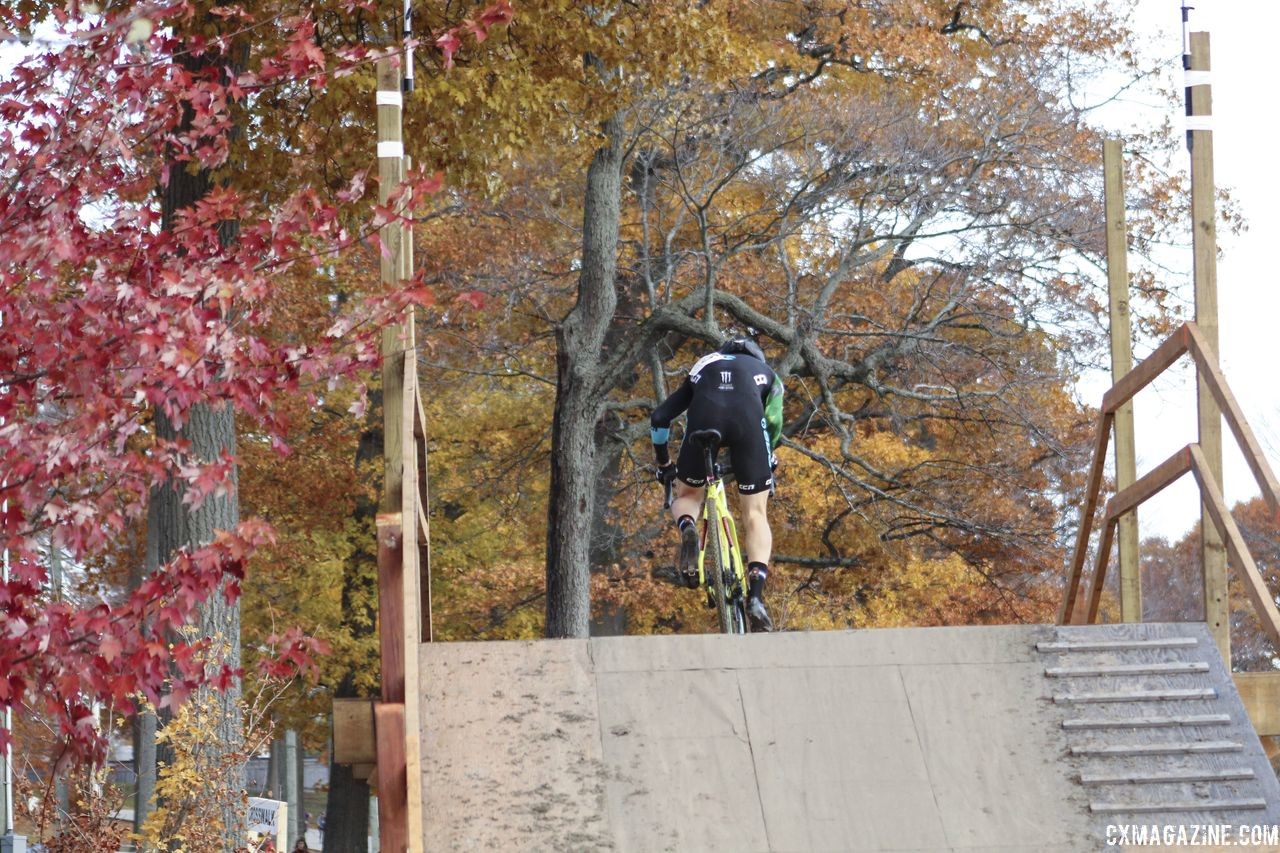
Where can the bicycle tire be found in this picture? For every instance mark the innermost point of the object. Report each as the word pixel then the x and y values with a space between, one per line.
pixel 716 546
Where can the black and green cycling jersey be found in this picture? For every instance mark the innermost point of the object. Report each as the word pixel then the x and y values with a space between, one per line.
pixel 740 396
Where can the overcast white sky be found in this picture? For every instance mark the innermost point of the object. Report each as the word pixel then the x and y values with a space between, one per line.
pixel 1243 43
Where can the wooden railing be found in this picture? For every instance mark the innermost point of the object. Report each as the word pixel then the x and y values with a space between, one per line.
pixel 1186 339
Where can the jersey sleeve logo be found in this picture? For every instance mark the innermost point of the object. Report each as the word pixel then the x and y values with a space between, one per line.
pixel 761 379
pixel 695 372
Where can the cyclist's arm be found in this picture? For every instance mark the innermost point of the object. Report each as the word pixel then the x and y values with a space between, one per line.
pixel 773 412
pixel 660 421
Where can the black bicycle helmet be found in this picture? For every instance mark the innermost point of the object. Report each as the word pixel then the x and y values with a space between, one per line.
pixel 744 345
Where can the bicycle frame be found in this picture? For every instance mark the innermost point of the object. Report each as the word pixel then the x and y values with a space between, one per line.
pixel 731 586
pixel 729 551
pixel 727 586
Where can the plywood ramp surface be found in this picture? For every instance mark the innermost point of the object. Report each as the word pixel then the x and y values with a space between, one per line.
pixel 942 739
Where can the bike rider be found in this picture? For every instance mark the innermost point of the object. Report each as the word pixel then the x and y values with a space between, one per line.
pixel 732 390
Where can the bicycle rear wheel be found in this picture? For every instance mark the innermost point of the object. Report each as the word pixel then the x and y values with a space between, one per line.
pixel 716 545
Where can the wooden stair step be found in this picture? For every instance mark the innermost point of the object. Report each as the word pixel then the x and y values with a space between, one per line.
pixel 1139 777
pixel 1127 669
pixel 1115 645
pixel 1181 806
pixel 1170 748
pixel 1147 722
pixel 1135 696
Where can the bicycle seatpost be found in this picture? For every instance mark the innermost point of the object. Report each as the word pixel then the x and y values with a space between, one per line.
pixel 709 441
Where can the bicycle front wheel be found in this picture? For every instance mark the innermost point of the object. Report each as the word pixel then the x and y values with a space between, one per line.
pixel 717 547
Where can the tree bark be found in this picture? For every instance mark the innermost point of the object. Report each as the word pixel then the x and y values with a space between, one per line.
pixel 580 395
pixel 347 805
pixel 346 816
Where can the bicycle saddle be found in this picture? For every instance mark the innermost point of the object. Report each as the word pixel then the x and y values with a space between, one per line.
pixel 707 437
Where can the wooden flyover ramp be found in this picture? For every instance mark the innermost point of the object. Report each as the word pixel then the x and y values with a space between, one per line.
pixel 973 738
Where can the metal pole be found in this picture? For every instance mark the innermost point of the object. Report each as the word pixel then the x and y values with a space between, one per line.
pixel 1121 364
pixel 9 842
pixel 1204 244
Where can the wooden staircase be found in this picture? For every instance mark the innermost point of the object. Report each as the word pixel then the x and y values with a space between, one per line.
pixel 1155 728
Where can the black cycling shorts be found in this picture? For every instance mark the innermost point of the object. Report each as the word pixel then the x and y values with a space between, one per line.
pixel 748 446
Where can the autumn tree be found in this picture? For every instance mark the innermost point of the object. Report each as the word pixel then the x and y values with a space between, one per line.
pixel 131 319
pixel 902 198
pixel 1173 584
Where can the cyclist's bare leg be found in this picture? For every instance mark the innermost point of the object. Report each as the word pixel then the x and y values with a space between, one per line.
pixel 757 538
pixel 688 500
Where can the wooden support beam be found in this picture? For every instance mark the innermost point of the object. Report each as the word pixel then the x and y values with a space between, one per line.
pixel 391 616
pixel 1204 248
pixel 1152 483
pixel 353 732
pixel 1121 364
pixel 1100 571
pixel 393 804
pixel 1211 496
pixel 1101 435
pixel 1260 693
pixel 1210 370
pixel 1147 370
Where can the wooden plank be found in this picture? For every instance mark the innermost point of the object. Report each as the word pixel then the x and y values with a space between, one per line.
pixel 1243 804
pixel 1260 693
pixel 1146 370
pixel 515 762
pixel 1204 249
pixel 353 735
pixel 1138 777
pixel 1211 497
pixel 390 175
pixel 1100 571
pixel 391 615
pixel 1101 435
pixel 1135 696
pixel 1092 723
pixel 1121 364
pixel 363 772
pixel 1173 748
pixel 393 824
pixel 1252 450
pixel 1116 645
pixel 410 592
pixel 1152 483
pixel 1179 668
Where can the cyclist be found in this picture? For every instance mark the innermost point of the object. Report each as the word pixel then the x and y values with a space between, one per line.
pixel 732 390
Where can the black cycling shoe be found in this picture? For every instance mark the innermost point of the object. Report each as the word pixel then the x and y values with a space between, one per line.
pixel 689 557
pixel 759 617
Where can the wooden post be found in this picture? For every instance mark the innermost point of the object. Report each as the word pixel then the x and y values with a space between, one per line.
pixel 1121 364
pixel 397 337
pixel 397 719
pixel 1205 250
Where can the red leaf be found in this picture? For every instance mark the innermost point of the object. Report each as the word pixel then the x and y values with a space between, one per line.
pixel 448 44
pixel 109 648
pixel 474 298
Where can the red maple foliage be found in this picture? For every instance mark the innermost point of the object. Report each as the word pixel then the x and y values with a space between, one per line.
pixel 107 316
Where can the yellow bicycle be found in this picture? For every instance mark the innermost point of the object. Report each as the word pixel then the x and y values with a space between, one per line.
pixel 724 576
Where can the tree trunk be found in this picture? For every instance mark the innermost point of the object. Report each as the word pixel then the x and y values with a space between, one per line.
pixel 346 816
pixel 172 525
pixel 211 431
pixel 580 396
pixel 346 821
